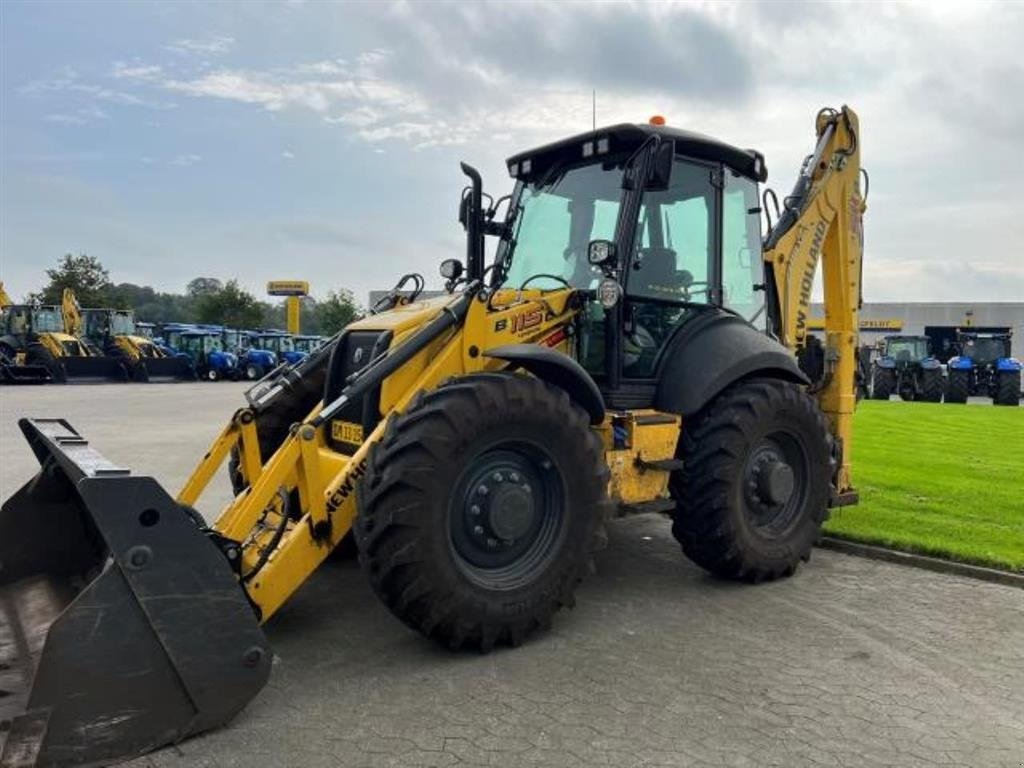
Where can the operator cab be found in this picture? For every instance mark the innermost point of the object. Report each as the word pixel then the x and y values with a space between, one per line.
pixel 675 220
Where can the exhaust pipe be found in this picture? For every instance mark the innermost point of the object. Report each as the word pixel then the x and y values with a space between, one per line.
pixel 122 625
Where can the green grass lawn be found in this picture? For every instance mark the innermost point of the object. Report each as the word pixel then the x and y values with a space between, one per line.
pixel 945 480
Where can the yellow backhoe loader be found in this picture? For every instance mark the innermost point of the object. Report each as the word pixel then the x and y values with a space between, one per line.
pixel 112 331
pixel 13 367
pixel 48 337
pixel 634 346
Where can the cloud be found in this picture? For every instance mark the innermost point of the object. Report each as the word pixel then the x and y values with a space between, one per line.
pixel 87 114
pixel 288 155
pixel 138 72
pixel 186 160
pixel 216 45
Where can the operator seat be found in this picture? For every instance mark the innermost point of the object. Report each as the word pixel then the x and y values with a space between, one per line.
pixel 656 274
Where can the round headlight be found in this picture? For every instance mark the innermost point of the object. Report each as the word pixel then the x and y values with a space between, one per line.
pixel 609 292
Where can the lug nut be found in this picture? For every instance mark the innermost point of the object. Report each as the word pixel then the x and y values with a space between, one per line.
pixel 474 510
pixel 496 477
pixel 483 490
pixel 479 530
pixel 514 477
pixel 492 543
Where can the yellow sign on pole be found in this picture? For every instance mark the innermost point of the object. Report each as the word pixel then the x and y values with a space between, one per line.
pixel 294 290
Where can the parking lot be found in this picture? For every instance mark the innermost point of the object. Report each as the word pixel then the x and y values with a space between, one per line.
pixel 851 662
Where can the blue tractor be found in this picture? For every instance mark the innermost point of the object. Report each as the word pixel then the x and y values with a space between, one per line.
pixel 906 367
pixel 253 362
pixel 205 347
pixel 280 343
pixel 983 367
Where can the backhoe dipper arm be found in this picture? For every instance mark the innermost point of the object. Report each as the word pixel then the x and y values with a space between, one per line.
pixel 72 313
pixel 822 222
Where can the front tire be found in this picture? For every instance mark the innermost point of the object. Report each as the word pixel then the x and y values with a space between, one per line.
pixel 481 507
pixel 931 385
pixel 755 485
pixel 1007 388
pixel 883 382
pixel 213 375
pixel 253 372
pixel 958 386
pixel 37 354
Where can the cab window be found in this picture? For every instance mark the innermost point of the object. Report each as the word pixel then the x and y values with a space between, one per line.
pixel 675 238
pixel 742 267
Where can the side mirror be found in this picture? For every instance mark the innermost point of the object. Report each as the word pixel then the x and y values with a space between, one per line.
pixel 601 253
pixel 451 269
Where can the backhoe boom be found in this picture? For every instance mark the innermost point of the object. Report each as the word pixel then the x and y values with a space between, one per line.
pixel 822 222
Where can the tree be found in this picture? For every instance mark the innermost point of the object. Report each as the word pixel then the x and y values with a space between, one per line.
pixel 232 306
pixel 203 286
pixel 336 311
pixel 84 275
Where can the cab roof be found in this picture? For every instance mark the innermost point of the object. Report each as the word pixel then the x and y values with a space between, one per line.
pixel 626 138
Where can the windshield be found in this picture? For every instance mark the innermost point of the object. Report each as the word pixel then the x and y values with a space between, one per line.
pixel 907 349
pixel 122 324
pixel 48 320
pixel 984 350
pixel 277 343
pixel 213 344
pixel 233 339
pixel 555 221
pixel 307 344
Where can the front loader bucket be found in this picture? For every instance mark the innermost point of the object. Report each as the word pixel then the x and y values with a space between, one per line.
pixel 122 626
pixel 177 368
pixel 94 368
pixel 12 373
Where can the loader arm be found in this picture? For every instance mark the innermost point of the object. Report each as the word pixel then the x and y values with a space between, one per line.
pixel 822 222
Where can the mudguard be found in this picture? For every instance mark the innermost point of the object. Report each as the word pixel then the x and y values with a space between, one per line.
pixel 558 369
pixel 712 351
pixel 1008 364
pixel 886 362
pixel 960 363
pixel 122 625
pixel 930 364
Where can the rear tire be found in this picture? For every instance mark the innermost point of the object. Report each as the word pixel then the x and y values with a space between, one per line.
pixel 253 372
pixel 37 354
pixel 740 513
pixel 883 382
pixel 931 385
pixel 958 386
pixel 472 567
pixel 1007 388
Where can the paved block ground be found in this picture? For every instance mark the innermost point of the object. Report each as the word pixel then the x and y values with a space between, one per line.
pixel 851 662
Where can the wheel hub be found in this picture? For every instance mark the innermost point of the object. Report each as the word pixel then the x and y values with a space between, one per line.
pixel 506 513
pixel 770 480
pixel 774 481
pixel 510 511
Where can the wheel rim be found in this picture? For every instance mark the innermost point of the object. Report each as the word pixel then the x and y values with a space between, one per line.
pixel 775 480
pixel 507 515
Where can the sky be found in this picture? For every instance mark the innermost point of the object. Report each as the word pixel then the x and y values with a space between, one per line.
pixel 319 141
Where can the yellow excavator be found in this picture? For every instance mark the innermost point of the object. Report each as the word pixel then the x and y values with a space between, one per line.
pixel 637 344
pixel 47 337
